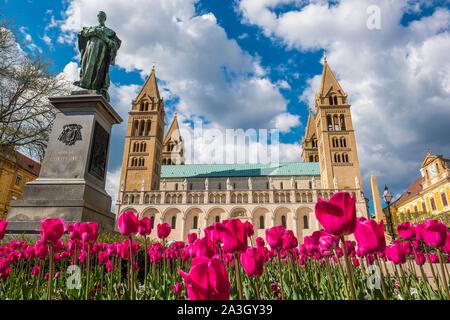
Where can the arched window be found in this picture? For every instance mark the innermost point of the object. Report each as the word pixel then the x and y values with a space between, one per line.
pixel 342 121
pixel 141 127
pixel 329 123
pixel 311 158
pixel 305 222
pixel 132 198
pixel 146 106
pixel 135 127
pixel 176 186
pixel 335 157
pixel 148 127
pixel 234 185
pixel 336 122
pixel 217 219
pixel 343 143
pixel 310 184
pixel 267 186
pixel 283 221
pixel 152 221
pixel 345 157
pixel 330 100
pixel 190 186
pixel 296 185
pixel 261 222
pixel 338 157
pixel 195 223
pixel 317 158
pixel 335 100
pixel 281 185
pixel 219 186
pixel 141 106
pixel 174 222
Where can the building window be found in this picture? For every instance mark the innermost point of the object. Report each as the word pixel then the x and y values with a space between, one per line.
pixel 311 158
pixel 18 180
pixel 219 186
pixel 317 159
pixel 283 221
pixel 433 204
pixel 176 186
pixel 234 186
pixel 310 184
pixel 261 222
pixel 330 100
pixel 296 185
pixel 267 186
pixel 195 223
pixel 305 222
pixel 281 185
pixel 329 123
pixel 342 122
pixel 424 207
pixel 190 186
pixel 174 222
pixel 217 219
pixel 444 199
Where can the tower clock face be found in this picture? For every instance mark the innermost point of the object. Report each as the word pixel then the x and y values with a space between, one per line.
pixel 433 170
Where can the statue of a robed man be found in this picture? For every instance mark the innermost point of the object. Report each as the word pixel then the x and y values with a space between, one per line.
pixel 98 46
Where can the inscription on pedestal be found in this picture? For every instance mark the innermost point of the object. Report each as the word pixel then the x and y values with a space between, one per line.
pixel 99 152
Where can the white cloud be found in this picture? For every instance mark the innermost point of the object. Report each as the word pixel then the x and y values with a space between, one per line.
pixel 112 185
pixel 286 121
pixel 212 76
pixel 397 77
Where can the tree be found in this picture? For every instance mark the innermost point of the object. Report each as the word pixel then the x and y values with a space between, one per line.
pixel 26 115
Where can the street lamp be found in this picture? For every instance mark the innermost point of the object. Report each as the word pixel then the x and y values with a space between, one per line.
pixel 387 197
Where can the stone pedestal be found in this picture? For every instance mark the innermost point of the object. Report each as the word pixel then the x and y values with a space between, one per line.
pixel 71 184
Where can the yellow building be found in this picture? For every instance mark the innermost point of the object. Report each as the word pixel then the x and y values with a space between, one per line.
pixel 16 170
pixel 428 195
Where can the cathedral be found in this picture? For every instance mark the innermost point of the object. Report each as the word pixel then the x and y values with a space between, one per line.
pixel 156 182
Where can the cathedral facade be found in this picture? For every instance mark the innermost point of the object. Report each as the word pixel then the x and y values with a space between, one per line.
pixel 156 182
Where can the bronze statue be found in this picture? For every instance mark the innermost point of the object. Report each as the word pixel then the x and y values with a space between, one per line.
pixel 98 46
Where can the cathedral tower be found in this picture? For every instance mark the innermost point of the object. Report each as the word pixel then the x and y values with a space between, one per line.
pixel 338 157
pixel 309 141
pixel 173 148
pixel 141 164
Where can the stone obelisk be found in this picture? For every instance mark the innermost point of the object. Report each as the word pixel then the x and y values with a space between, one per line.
pixel 376 199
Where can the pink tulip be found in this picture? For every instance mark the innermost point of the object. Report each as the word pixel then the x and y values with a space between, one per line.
pixel 419 258
pixel 163 230
pixel 207 280
pixel 289 240
pixel 233 235
pixel 447 244
pixel 4 268
pixel 434 233
pixel 433 257
pixel 249 228
pixel 88 231
pixel 406 230
pixel 274 237
pixel 177 288
pixel 355 262
pixel 212 234
pixel 103 257
pixel 192 237
pixel 370 236
pixel 202 247
pixel 109 266
pixel 252 260
pixel 3 225
pixel 338 215
pixel 52 229
pixel 145 226
pixel 40 250
pixel 396 253
pixel 35 271
pixel 128 223
pixel 260 242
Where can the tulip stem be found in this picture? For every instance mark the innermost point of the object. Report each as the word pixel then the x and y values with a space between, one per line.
pixel 145 267
pixel 50 273
pixel 349 270
pixel 88 266
pixel 281 276
pixel 444 277
pixel 131 270
pixel 238 276
pixel 383 284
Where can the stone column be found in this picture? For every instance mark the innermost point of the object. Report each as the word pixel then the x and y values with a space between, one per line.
pixel 71 184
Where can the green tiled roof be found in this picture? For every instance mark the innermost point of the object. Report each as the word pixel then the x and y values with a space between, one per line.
pixel 240 170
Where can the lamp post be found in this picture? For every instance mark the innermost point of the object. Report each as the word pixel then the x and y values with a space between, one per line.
pixel 387 197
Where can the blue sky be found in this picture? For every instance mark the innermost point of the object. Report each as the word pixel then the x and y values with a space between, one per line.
pixel 256 64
